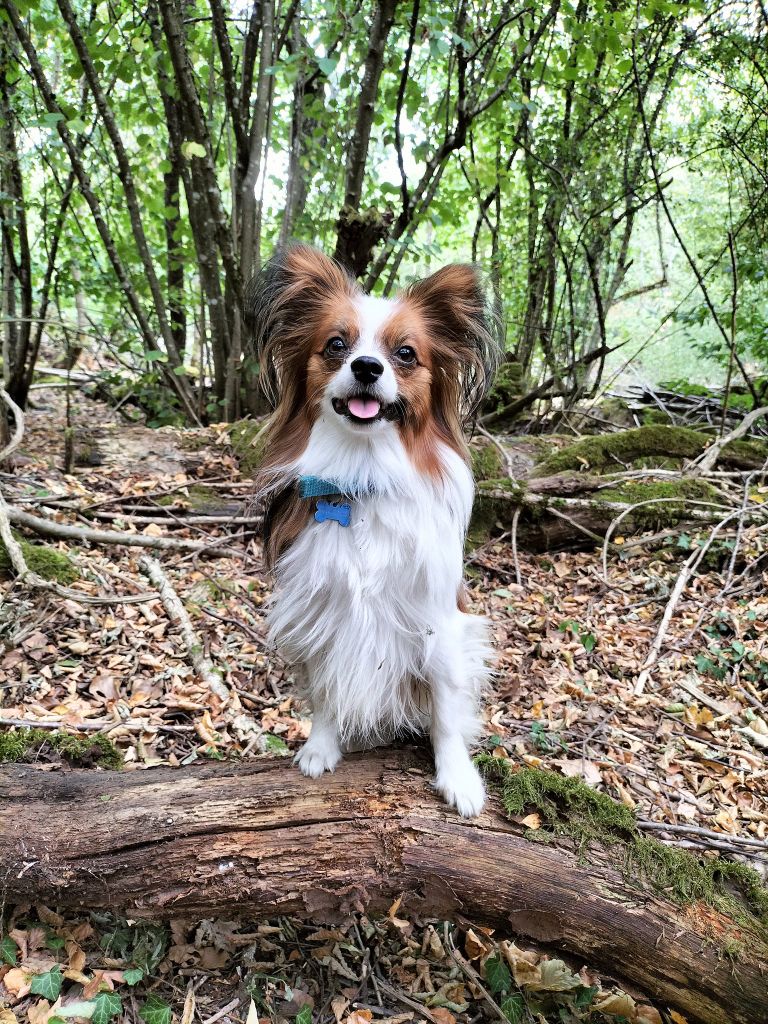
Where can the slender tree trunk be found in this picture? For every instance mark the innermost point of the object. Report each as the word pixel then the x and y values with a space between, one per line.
pixel 356 235
pixel 17 263
pixel 256 145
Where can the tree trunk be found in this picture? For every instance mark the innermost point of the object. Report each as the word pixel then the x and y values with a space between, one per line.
pixel 258 839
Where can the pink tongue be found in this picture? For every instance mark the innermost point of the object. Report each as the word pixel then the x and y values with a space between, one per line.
pixel 364 408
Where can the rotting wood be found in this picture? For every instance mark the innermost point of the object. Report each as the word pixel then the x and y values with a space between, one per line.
pixel 257 839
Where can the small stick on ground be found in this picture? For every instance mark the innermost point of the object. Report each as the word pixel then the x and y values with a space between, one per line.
pixel 177 613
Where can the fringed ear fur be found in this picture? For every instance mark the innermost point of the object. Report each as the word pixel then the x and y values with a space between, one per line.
pixel 465 333
pixel 281 305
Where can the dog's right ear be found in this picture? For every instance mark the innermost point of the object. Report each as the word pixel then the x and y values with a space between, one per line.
pixel 280 304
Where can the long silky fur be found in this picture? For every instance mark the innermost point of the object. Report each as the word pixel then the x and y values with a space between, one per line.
pixel 372 615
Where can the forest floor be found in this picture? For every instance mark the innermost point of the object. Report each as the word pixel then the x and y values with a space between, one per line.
pixel 686 754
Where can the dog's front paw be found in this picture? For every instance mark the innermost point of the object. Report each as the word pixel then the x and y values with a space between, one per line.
pixel 315 758
pixel 462 788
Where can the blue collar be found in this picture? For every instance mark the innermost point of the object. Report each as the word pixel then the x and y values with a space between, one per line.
pixel 336 511
pixel 316 487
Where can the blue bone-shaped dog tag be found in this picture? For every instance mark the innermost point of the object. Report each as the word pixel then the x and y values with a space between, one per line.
pixel 339 513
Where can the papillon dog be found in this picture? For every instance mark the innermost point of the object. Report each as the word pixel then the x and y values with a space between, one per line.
pixel 368 492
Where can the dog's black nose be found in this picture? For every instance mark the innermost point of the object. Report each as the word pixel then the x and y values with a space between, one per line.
pixel 367 369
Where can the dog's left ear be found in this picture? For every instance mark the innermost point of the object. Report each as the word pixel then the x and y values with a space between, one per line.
pixel 454 305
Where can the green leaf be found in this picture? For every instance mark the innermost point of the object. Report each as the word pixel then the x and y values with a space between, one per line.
pixel 8 951
pixel 274 745
pixel 497 974
pixel 738 648
pixel 155 1011
pixel 327 65
pixel 588 640
pixel 108 1005
pixel 513 1008
pixel 155 356
pixel 48 985
pixel 133 975
pixel 190 149
pixel 304 1016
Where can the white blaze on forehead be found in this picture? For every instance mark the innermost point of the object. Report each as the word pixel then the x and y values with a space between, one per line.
pixel 373 313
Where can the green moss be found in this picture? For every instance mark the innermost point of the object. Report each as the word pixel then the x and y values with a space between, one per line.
pixel 84 751
pixel 246 439
pixel 665 512
pixel 651 442
pixel 486 461
pixel 508 384
pixel 612 451
pixel 572 810
pixel 651 416
pixel 46 562
pixel 487 510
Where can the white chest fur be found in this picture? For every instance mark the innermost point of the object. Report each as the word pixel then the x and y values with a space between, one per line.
pixel 361 608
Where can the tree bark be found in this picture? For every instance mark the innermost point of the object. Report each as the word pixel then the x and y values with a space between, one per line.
pixel 258 839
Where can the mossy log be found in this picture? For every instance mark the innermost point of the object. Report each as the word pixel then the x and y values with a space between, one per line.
pixel 561 488
pixel 257 839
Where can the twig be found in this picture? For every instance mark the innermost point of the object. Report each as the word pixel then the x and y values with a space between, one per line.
pixel 105 727
pixel 18 431
pixel 689 567
pixel 706 462
pixel 64 531
pixel 177 613
pixel 501 449
pixel 222 1012
pixel 705 833
pixel 515 556
pixel 471 973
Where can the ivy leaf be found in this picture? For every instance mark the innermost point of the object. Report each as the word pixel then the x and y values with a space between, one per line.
pixel 155 1011
pixel 48 985
pixel 497 974
pixel 8 950
pixel 304 1016
pixel 108 1005
pixel 133 975
pixel 513 1008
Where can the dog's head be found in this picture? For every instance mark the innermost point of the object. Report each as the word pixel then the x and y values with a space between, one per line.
pixel 419 363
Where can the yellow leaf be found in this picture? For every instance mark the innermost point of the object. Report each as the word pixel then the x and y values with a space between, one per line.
pixel 617 1003
pixel 473 946
pixel 677 1018
pixel 532 820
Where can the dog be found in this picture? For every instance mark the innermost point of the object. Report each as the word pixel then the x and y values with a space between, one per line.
pixel 368 491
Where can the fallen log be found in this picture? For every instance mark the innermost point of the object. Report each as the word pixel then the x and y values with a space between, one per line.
pixel 257 839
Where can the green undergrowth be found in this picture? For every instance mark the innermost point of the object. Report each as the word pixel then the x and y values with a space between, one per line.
pixel 571 809
pixel 30 745
pixel 653 441
pixel 45 561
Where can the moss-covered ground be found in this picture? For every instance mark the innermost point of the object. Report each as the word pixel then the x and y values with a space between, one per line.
pixel 29 745
pixel 43 560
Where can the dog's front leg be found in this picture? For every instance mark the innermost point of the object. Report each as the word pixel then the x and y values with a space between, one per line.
pixel 453 723
pixel 322 751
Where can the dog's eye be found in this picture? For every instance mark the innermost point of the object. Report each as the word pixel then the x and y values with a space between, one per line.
pixel 406 354
pixel 335 347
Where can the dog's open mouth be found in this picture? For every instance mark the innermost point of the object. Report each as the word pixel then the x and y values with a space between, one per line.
pixel 364 408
